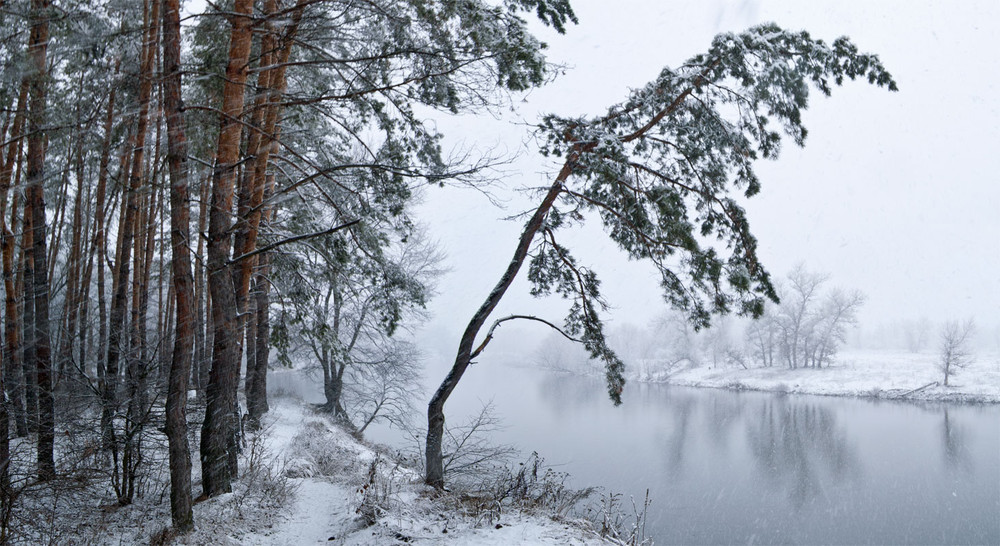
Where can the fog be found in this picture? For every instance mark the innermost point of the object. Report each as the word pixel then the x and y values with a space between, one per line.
pixel 894 194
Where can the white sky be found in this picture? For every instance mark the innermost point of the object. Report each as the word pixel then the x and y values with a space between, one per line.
pixel 895 194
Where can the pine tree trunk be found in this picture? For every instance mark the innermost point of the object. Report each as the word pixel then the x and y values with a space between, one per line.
pixel 253 212
pixel 220 429
pixel 200 367
pixel 4 374
pixel 180 268
pixel 27 281
pixel 128 227
pixel 13 365
pixel 96 257
pixel 138 363
pixel 71 302
pixel 435 409
pixel 257 404
pixel 256 393
pixel 58 224
pixel 37 47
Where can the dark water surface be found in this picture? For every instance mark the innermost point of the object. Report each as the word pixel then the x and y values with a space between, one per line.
pixel 728 467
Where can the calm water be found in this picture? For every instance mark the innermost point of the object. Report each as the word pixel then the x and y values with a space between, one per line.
pixel 749 468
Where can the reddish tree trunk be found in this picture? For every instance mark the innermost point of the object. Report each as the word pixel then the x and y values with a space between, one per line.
pixel 221 426
pixel 13 365
pixel 246 239
pixel 180 268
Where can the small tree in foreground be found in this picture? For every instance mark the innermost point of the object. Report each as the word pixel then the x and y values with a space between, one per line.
pixel 660 170
pixel 955 352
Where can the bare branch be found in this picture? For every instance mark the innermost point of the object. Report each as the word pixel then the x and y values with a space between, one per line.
pixel 497 322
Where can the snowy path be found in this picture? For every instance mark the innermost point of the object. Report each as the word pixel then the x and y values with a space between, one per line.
pixel 323 509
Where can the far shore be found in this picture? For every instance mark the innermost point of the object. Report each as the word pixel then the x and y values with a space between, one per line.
pixel 868 374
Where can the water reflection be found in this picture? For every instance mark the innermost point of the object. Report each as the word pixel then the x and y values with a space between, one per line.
pixel 738 467
pixel 679 441
pixel 954 440
pixel 797 444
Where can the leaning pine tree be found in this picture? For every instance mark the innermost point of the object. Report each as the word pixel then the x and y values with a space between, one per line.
pixel 660 170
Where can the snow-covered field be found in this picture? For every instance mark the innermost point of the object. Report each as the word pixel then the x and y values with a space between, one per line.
pixel 877 374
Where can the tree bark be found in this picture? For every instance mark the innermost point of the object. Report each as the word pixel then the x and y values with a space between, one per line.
pixel 435 409
pixel 13 364
pixel 254 214
pixel 180 268
pixel 257 404
pixel 28 326
pixel 127 231
pixel 37 48
pixel 220 428
pixel 200 373
pixel 71 301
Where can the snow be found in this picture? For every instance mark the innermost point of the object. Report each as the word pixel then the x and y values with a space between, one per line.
pixel 876 374
pixel 328 470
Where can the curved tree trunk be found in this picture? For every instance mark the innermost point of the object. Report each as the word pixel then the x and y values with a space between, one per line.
pixel 435 409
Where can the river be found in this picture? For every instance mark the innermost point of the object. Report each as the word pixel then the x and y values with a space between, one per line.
pixel 727 467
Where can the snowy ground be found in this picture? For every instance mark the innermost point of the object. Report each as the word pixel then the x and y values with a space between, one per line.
pixel 337 486
pixel 874 374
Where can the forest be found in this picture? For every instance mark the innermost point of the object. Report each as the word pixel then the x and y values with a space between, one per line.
pixel 189 198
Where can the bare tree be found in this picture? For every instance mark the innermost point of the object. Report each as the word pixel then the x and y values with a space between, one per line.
pixel 808 326
pixel 383 386
pixel 468 453
pixel 835 315
pixel 955 353
pixel 798 316
pixel 762 337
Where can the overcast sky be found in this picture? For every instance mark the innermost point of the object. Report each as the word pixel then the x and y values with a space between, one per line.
pixel 895 194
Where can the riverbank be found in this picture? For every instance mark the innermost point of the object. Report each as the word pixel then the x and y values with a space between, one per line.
pixel 327 487
pixel 871 374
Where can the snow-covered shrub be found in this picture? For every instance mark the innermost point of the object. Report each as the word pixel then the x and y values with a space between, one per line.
pixel 614 521
pixel 530 485
pixel 378 491
pixel 264 482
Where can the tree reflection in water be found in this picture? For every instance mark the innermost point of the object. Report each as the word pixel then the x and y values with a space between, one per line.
pixel 956 452
pixel 795 444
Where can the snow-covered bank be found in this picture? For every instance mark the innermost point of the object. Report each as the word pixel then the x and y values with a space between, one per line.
pixel 345 492
pixel 872 374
